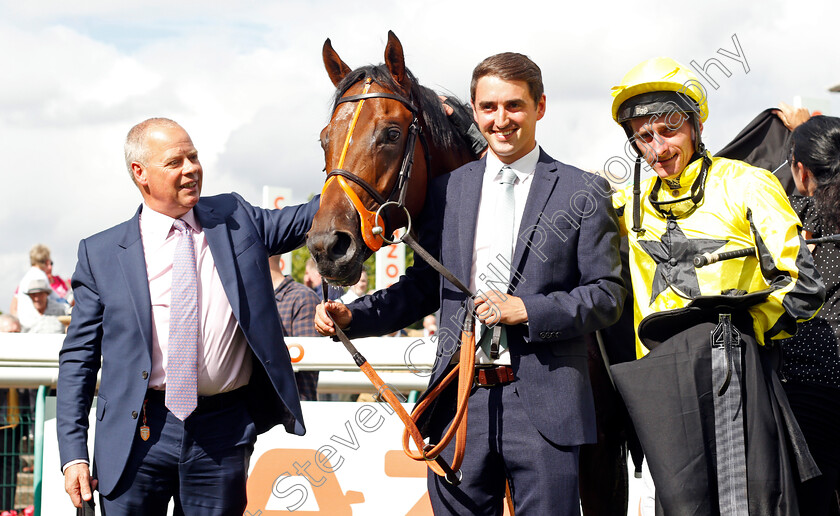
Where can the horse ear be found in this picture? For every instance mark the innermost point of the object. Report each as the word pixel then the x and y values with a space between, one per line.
pixel 336 68
pixel 395 61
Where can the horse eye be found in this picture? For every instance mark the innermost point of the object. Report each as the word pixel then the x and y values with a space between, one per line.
pixel 324 138
pixel 393 134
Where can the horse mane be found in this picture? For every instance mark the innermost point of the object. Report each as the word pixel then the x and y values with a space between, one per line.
pixel 437 124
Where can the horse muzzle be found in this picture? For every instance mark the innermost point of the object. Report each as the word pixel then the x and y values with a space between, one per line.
pixel 339 257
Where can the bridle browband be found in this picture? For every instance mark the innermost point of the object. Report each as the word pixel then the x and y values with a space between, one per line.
pixel 373 224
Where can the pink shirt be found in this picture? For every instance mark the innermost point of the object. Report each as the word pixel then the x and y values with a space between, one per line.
pixel 224 358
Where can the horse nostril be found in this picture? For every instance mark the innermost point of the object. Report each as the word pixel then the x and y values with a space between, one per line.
pixel 339 245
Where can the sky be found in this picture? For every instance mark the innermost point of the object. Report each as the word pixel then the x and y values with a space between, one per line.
pixel 246 80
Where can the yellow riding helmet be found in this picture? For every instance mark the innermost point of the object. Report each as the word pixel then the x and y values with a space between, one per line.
pixel 650 80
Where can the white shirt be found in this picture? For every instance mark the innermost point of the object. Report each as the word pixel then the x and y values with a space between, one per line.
pixel 524 169
pixel 224 358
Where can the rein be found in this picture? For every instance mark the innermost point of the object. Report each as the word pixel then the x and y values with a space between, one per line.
pixel 464 370
pixel 430 453
pixel 372 229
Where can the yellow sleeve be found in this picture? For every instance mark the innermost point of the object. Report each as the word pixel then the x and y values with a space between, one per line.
pixel 622 199
pixel 784 259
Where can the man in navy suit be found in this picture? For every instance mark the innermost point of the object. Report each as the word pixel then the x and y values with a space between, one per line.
pixel 243 382
pixel 557 281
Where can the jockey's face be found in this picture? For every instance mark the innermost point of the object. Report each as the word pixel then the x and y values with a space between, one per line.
pixel 667 149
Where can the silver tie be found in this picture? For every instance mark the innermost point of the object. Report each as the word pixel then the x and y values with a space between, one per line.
pixel 501 253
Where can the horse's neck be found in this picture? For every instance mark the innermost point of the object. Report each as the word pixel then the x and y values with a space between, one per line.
pixel 444 162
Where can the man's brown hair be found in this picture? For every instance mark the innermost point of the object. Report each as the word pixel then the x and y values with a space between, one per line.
pixel 510 66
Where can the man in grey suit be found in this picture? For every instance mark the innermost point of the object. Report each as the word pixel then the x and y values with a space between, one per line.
pixel 538 240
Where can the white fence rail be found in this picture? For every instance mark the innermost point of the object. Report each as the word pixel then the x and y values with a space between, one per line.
pixel 28 360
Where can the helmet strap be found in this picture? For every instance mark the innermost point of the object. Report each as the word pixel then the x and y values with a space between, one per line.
pixel 698 190
pixel 637 193
pixel 699 147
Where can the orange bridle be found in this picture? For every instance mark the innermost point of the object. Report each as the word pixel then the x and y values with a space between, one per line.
pixel 373 222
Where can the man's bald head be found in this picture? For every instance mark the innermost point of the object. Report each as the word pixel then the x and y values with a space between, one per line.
pixel 136 149
pixel 9 324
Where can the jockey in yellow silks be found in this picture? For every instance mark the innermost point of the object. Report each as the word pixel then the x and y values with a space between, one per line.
pixel 696 204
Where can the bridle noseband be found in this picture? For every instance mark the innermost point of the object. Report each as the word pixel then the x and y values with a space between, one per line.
pixel 373 224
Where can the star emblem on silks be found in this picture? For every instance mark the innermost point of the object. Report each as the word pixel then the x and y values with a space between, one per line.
pixel 674 256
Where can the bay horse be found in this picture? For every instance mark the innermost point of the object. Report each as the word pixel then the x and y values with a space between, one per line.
pixel 378 114
pixel 365 152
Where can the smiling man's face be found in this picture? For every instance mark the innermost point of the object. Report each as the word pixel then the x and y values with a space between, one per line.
pixel 667 150
pixel 507 116
pixel 170 180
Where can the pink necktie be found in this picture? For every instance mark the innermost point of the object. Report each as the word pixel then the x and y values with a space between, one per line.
pixel 182 353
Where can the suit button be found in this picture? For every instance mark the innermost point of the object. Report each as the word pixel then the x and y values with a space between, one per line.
pixel 145 374
pixel 133 414
pixel 673 262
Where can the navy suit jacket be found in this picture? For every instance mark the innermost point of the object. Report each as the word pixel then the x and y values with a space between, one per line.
pixel 567 273
pixel 112 325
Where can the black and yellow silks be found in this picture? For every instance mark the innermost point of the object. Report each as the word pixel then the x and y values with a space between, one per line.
pixel 742 206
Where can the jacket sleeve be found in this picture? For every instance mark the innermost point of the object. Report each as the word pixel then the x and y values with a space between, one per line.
pixel 597 300
pixel 622 201
pixel 282 230
pixel 78 363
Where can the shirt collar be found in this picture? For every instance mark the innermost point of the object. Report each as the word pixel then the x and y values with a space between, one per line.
pixel 284 284
pixel 523 167
pixel 156 226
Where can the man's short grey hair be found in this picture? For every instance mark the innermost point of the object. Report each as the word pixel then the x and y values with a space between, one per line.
pixel 135 141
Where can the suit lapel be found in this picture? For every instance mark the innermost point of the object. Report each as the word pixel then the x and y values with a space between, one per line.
pixel 132 262
pixel 545 177
pixel 216 232
pixel 467 198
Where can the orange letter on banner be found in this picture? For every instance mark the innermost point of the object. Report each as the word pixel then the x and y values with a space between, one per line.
pixel 328 495
pixel 299 357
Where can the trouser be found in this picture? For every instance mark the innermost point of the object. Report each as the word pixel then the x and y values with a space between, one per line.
pixel 503 445
pixel 200 463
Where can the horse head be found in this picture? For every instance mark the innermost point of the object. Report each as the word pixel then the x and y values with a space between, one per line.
pixel 386 137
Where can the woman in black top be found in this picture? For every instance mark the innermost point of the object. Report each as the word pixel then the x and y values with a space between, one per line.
pixel 811 368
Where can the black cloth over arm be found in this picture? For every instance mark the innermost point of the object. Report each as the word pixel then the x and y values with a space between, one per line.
pixel 669 397
pixel 763 143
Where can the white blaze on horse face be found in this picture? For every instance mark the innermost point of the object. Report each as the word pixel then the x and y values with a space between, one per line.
pixel 507 116
pixel 339 128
